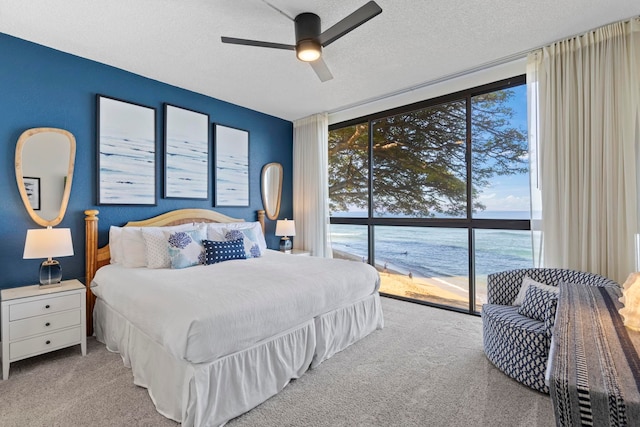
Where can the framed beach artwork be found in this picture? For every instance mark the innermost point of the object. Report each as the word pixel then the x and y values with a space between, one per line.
pixel 186 153
pixel 32 187
pixel 126 136
pixel 231 166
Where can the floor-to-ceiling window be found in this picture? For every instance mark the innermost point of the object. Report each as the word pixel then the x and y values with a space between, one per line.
pixel 435 194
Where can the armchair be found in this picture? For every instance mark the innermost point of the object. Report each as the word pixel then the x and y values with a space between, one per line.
pixel 514 343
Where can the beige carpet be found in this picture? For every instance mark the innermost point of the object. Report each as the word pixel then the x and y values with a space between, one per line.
pixel 426 368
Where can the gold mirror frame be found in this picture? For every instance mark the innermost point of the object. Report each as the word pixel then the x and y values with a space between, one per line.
pixel 272 189
pixel 24 138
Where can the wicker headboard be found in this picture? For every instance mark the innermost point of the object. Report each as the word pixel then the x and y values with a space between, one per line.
pixel 96 257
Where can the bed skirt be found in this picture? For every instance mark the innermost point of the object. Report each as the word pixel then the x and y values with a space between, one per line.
pixel 210 394
pixel 340 328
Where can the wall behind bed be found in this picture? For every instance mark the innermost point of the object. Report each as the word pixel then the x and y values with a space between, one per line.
pixel 43 87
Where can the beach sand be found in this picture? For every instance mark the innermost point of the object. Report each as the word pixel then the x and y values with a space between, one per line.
pixel 451 290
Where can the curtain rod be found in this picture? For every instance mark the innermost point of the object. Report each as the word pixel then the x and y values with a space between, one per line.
pixel 482 67
pixel 452 76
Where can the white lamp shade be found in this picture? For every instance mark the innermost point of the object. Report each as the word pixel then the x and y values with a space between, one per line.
pixel 48 243
pixel 285 227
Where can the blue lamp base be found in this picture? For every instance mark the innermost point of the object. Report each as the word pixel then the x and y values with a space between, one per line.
pixel 286 245
pixel 50 274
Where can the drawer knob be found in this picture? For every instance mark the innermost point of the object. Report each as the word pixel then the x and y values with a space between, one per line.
pixel 47 306
pixel 47 324
pixel 48 342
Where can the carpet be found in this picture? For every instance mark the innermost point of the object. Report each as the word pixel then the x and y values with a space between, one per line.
pixel 425 368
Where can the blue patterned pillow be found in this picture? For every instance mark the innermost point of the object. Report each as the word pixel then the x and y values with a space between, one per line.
pixel 550 316
pixel 249 238
pixel 185 247
pixel 536 303
pixel 223 251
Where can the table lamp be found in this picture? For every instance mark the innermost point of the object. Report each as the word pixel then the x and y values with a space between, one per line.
pixel 48 243
pixel 285 228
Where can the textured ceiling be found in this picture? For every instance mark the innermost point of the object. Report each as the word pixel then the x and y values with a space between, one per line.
pixel 411 42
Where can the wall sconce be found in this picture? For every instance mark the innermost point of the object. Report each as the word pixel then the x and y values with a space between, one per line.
pixel 48 243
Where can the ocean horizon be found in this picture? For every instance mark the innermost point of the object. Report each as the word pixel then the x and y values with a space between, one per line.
pixel 435 251
pixel 493 214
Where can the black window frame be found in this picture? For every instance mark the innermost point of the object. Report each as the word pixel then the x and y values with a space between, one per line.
pixel 469 222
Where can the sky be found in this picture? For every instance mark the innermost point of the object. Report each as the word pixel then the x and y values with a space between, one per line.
pixel 510 193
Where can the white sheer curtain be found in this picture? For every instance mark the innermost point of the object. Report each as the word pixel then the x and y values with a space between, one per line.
pixel 311 185
pixel 584 102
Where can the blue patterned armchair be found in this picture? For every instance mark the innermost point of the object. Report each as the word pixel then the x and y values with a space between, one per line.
pixel 516 344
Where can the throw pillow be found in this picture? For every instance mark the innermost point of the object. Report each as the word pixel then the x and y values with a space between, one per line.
pixel 550 315
pixel 156 245
pixel 536 303
pixel 255 233
pixel 185 247
pixel 528 281
pixel 223 251
pixel 249 238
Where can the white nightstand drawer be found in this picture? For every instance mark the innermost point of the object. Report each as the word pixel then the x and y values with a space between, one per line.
pixel 42 324
pixel 44 343
pixel 44 306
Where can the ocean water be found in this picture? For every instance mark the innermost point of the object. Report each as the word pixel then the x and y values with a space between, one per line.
pixel 437 252
pixel 187 168
pixel 127 170
pixel 232 179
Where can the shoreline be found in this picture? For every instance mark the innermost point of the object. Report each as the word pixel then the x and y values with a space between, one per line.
pixel 448 290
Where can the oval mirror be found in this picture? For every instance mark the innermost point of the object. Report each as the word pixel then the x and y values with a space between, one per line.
pixel 44 171
pixel 271 189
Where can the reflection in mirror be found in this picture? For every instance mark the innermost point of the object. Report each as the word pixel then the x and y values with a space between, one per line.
pixel 44 171
pixel 271 189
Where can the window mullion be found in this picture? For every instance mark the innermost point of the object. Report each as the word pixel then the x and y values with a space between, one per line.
pixel 471 245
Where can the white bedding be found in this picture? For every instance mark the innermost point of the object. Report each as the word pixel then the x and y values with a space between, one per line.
pixel 202 313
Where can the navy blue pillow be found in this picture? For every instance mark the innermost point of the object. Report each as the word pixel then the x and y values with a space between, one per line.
pixel 223 251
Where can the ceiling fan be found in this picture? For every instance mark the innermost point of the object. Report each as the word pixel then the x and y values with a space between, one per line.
pixel 309 39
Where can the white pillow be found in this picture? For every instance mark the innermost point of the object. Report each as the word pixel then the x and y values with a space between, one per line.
pixel 115 244
pixel 134 252
pixel 528 281
pixel 156 245
pixel 216 231
pixel 256 230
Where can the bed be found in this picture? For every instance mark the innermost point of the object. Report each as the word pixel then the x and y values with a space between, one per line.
pixel 210 342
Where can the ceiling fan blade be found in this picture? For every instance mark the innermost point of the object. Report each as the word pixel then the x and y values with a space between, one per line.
pixel 321 69
pixel 350 23
pixel 257 43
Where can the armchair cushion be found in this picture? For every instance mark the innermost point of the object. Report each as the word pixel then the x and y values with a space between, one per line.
pixel 524 334
pixel 528 282
pixel 536 303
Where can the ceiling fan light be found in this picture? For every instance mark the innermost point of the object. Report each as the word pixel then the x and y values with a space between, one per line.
pixel 308 50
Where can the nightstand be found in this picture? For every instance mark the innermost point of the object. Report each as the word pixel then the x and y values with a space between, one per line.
pixel 37 321
pixel 300 252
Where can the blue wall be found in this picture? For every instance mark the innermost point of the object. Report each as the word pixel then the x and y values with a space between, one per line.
pixel 43 87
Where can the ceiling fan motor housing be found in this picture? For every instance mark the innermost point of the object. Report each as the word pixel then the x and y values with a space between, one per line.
pixel 307 27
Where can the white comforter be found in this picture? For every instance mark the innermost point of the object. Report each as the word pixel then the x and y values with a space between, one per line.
pixel 205 312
